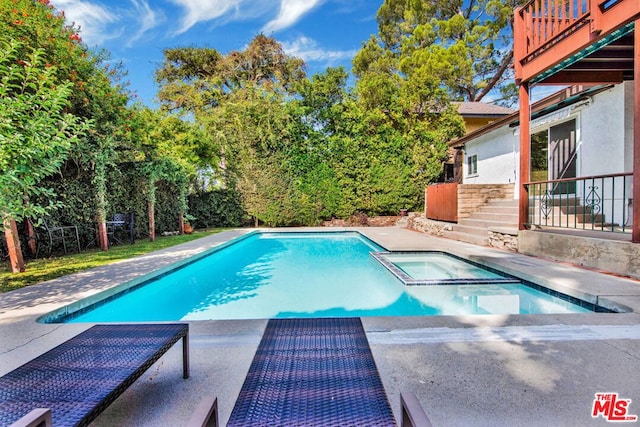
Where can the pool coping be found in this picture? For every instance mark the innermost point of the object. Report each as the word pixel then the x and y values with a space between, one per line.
pixel 225 348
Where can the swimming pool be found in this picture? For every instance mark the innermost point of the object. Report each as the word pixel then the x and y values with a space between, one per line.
pixel 293 274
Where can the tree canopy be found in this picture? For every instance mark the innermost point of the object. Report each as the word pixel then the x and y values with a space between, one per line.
pixel 464 44
pixel 300 150
pixel 193 79
pixel 68 134
pixel 249 126
pixel 36 133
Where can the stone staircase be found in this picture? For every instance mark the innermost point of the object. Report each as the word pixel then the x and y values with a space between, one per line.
pixel 497 215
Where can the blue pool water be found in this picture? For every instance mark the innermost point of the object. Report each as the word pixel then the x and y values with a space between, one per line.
pixel 276 275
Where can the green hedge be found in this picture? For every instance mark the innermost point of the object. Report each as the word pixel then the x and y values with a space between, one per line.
pixel 75 198
pixel 216 208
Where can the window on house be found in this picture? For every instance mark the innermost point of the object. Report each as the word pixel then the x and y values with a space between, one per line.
pixel 472 165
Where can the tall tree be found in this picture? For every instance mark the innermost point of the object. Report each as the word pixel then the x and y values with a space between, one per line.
pixel 240 99
pixel 168 149
pixel 465 44
pixel 393 140
pixel 36 136
pixel 197 79
pixel 98 92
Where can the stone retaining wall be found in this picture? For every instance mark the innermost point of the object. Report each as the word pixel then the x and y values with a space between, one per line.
pixel 506 241
pixel 619 257
pixel 418 222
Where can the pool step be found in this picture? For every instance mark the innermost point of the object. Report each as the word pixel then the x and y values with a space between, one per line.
pixel 496 214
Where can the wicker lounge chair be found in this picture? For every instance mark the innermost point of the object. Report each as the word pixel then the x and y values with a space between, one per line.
pixel 317 372
pixel 79 378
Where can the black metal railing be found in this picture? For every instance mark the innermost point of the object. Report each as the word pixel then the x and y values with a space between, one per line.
pixel 601 203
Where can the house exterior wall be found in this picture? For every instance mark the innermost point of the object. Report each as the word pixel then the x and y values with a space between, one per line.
pixel 629 125
pixel 474 123
pixel 498 153
pixel 604 136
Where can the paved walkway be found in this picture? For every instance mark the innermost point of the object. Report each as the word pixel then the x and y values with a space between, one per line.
pixel 494 370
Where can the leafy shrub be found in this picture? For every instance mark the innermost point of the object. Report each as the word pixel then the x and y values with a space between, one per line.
pixel 216 208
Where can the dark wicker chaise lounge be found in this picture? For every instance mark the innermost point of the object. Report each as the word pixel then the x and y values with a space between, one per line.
pixel 317 372
pixel 75 381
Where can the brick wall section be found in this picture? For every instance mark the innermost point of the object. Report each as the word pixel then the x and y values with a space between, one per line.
pixel 472 196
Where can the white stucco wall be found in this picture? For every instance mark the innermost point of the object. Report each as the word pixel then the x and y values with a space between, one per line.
pixel 629 125
pixel 498 158
pixel 602 150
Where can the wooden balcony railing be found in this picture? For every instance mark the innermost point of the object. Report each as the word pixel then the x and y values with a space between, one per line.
pixel 546 21
pixel 564 27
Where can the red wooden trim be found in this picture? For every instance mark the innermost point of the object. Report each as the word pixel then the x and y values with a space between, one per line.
pixel 585 77
pixel 635 232
pixel 596 24
pixel 543 48
pixel 521 31
pixel 525 155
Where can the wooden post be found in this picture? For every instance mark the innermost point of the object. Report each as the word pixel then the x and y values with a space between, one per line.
pixel 525 154
pixel 181 224
pixel 13 245
pixel 152 221
pixel 635 233
pixel 596 18
pixel 31 234
pixel 519 42
pixel 103 239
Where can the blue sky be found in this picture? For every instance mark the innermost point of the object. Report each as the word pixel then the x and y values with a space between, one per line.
pixel 322 32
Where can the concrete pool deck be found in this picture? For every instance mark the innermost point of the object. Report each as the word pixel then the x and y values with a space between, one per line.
pixel 489 370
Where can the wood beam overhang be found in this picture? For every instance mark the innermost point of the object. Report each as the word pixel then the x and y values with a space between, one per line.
pixel 560 52
pixel 584 77
pixel 542 43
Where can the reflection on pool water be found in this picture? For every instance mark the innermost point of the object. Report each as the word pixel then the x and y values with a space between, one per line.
pixel 329 274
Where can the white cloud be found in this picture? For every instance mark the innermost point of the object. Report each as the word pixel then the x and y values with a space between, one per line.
pixel 308 50
pixel 146 18
pixel 99 23
pixel 290 12
pixel 206 10
pixel 93 18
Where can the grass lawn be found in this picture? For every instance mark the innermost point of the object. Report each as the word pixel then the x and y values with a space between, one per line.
pixel 40 270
